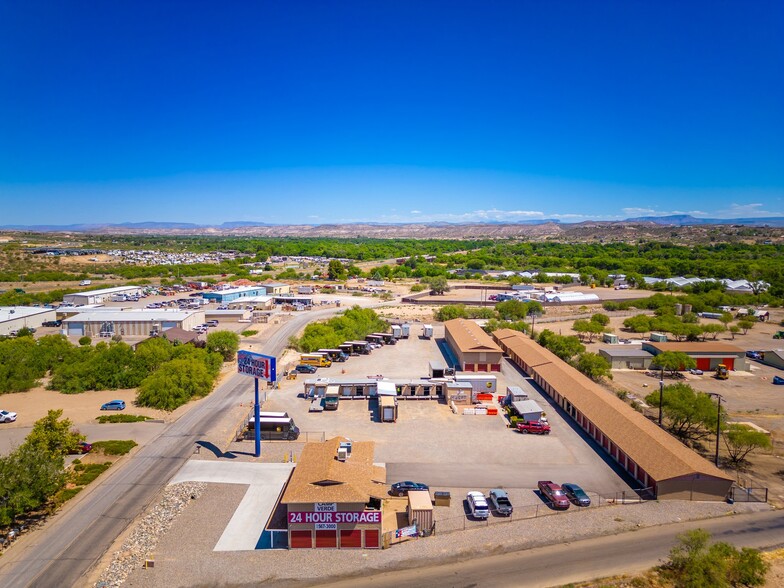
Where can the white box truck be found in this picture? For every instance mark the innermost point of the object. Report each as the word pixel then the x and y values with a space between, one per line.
pixel 427 331
pixel 397 332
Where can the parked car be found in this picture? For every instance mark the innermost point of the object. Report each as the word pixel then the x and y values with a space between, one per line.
pixel 305 369
pixel 82 447
pixel 696 372
pixel 535 427
pixel 114 405
pixel 500 502
pixel 754 355
pixel 7 416
pixel 403 488
pixel 478 505
pixel 212 323
pixel 554 494
pixel 576 494
pixel 778 380
pixel 51 323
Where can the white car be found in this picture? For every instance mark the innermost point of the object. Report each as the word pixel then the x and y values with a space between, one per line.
pixel 478 505
pixel 7 417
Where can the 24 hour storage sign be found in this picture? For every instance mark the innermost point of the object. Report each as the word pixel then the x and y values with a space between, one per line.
pixel 357 518
pixel 256 365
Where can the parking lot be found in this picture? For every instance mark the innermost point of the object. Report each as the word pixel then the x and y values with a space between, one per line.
pixel 431 444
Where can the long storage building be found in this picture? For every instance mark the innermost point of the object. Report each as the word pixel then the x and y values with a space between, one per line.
pixel 660 463
pixel 130 322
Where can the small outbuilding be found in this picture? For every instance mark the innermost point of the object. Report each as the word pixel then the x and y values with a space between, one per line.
pixel 626 357
pixel 420 510
pixel 527 410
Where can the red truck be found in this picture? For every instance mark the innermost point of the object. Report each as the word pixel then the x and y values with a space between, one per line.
pixel 535 427
pixel 554 494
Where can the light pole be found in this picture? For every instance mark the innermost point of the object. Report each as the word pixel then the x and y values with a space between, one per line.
pixel 661 396
pixel 719 398
pixel 533 314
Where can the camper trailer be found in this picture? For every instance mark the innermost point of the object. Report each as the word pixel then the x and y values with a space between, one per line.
pixel 427 331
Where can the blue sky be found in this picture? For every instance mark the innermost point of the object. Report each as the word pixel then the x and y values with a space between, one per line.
pixel 316 112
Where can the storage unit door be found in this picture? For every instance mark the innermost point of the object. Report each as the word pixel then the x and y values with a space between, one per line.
pixel 351 539
pixel 371 539
pixel 704 364
pixel 326 539
pixel 301 540
pixel 729 362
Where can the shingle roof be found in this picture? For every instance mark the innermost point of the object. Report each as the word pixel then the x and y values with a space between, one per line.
pixel 653 449
pixel 470 337
pixel 355 480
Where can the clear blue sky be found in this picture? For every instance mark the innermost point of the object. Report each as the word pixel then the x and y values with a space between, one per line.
pixel 315 111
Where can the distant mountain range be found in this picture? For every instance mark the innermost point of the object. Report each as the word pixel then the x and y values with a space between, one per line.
pixel 366 228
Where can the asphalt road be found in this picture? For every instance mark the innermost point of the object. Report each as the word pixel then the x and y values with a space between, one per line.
pixel 62 552
pixel 561 564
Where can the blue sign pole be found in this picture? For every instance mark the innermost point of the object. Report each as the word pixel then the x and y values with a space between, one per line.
pixel 257 416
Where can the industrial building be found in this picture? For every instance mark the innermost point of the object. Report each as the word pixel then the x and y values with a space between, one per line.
pixel 276 288
pixel 232 294
pixel 773 358
pixel 626 357
pixel 100 296
pixel 358 387
pixel 474 349
pixel 132 323
pixel 257 302
pixel 663 466
pixel 334 497
pixel 708 355
pixel 13 318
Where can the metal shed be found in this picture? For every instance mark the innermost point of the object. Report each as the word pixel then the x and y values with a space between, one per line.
pixel 420 509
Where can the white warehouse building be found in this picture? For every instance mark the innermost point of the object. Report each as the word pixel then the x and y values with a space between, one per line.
pixel 100 296
pixel 13 318
pixel 130 322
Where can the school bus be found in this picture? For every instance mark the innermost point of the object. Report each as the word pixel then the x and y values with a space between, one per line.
pixel 315 359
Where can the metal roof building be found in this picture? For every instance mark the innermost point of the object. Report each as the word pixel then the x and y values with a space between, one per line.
pixel 475 350
pixel 626 357
pixel 130 322
pixel 99 296
pixel 659 462
pixel 707 354
pixel 13 318
pixel 232 294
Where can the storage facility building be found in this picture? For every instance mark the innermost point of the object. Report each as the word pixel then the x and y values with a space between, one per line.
pixel 130 322
pixel 662 465
pixel 100 296
pixel 475 349
pixel 708 355
pixel 626 357
pixel 232 294
pixel 13 318
pixel 774 358
pixel 334 503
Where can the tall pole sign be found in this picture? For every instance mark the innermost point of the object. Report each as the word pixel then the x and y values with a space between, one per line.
pixel 259 367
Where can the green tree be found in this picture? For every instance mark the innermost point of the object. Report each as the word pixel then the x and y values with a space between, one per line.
pixel 512 310
pixel 689 414
pixel 565 347
pixel 712 330
pixel 28 478
pixel 741 440
pixel 600 318
pixel 438 285
pixel 53 435
pixel 450 311
pixel 746 325
pixel 174 384
pixel 693 563
pixel 726 318
pixel 84 341
pixel 594 366
pixel 224 342
pixel 335 270
pixel 673 361
pixel 640 323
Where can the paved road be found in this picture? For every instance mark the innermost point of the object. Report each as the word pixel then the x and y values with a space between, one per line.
pixel 557 565
pixel 72 543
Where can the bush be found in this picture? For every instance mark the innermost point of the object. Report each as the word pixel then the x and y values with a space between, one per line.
pixel 114 447
pixel 224 342
pixel 84 341
pixel 175 383
pixel 66 494
pixel 249 333
pixel 90 472
pixel 121 418
pixel 418 287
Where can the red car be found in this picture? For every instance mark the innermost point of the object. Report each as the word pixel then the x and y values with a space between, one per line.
pixel 535 427
pixel 554 494
pixel 82 447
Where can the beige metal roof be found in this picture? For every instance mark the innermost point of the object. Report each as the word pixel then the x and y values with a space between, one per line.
pixel 320 477
pixel 420 500
pixel 470 337
pixel 653 449
pixel 696 347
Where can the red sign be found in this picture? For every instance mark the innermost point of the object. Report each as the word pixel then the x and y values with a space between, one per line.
pixel 357 518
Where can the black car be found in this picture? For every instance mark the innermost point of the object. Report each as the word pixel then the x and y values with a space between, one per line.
pixel 51 323
pixel 576 494
pixel 403 488
pixel 305 369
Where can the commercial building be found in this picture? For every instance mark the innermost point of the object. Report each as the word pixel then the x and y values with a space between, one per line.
pixel 13 318
pixel 663 466
pixel 334 497
pixel 626 357
pixel 130 322
pixel 774 358
pixel 708 355
pixel 257 302
pixel 475 349
pixel 100 296
pixel 232 294
pixel 276 288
